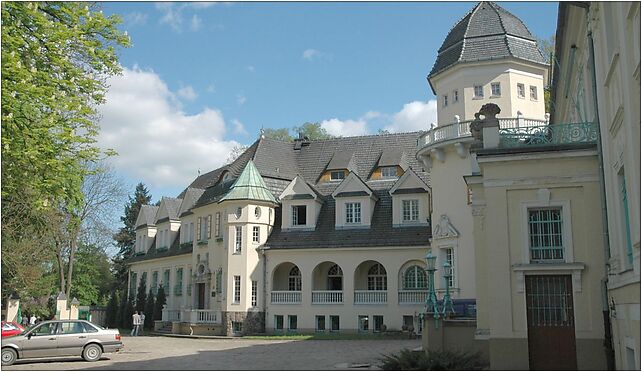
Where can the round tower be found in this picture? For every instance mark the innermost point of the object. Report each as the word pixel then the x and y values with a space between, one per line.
pixel 489 56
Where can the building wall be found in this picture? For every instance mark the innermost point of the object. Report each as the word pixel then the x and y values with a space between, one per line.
pixel 174 301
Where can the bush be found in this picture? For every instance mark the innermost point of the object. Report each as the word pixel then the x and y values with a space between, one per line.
pixel 408 360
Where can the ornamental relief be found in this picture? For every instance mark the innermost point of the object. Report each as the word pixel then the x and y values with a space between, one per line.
pixel 444 229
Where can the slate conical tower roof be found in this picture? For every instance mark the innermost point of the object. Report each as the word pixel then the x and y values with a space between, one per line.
pixel 249 186
pixel 487 32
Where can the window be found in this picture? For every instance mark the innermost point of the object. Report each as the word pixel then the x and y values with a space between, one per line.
pixel 182 234
pixel 319 323
pixel 521 91
pixel 388 172
pixel 143 279
pixel 495 89
pixel 46 329
pixel 299 215
pixel 448 257
pixel 292 323
pixel 445 100
pixel 255 233
pixel 132 285
pixel 67 328
pixel 154 286
pixel 178 290
pixel 363 323
pixel 237 289
pixel 455 96
pixel 257 212
pixel 625 215
pixel 166 281
pixel 278 322
pixel 337 175
pixel 533 92
pixel 377 280
pixel 191 232
pixel 410 210
pixel 238 241
pixel 334 323
pixel 89 328
pixel 408 322
pixel 237 327
pixel 545 234
pixel 294 279
pixel 209 226
pixel 378 322
pixel 335 278
pixel 217 225
pixel 239 212
pixel 189 283
pixel 353 212
pixel 478 91
pixel 255 288
pixel 219 281
pixel 415 278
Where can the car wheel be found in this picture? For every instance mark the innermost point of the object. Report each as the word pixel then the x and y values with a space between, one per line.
pixel 9 356
pixel 92 353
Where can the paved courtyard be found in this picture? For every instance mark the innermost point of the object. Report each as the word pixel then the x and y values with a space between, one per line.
pixel 169 353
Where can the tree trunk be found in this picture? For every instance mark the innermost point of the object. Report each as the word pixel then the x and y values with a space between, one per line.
pixel 61 266
pixel 73 245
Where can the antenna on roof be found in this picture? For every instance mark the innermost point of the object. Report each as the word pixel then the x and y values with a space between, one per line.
pixel 199 172
pixel 262 136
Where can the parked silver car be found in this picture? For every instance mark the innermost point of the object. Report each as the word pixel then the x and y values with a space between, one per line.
pixel 61 338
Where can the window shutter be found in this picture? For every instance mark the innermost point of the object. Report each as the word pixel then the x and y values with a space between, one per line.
pixel 198 229
pixel 209 226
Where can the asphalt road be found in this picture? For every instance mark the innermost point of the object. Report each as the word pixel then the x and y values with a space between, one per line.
pixel 169 353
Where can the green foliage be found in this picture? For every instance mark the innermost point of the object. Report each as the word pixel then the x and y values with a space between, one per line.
pixel 112 310
pixel 282 134
pixel 149 311
pixel 141 296
pixel 158 305
pixel 122 316
pixel 313 131
pixel 408 360
pixel 92 276
pixel 56 57
pixel 127 315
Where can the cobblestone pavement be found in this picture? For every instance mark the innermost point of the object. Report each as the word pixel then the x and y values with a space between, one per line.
pixel 169 353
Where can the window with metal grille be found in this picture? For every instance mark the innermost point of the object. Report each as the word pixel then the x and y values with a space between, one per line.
pixel 238 242
pixel 256 233
pixel 298 215
pixel 353 212
pixel 545 234
pixel 415 278
pixel 479 91
pixel 410 210
pixel 549 301
pixel 255 290
pixel 237 289
pixel 495 89
pixel 294 279
pixel 377 280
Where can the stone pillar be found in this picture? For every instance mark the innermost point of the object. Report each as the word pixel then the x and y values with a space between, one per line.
pixel 13 304
pixel 433 334
pixel 73 311
pixel 61 307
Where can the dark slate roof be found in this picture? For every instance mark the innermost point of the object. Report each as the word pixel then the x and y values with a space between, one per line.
pixel 488 31
pixel 380 234
pixel 392 157
pixel 343 159
pixel 149 215
pixel 173 205
pixel 191 197
pixel 174 250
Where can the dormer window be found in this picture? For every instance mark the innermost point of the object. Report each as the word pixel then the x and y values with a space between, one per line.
pixel 388 172
pixel 299 215
pixel 410 210
pixel 337 175
pixel 353 213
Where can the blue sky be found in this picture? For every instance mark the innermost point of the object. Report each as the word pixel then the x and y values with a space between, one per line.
pixel 202 78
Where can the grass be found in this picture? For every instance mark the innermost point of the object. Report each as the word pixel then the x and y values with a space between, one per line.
pixel 332 336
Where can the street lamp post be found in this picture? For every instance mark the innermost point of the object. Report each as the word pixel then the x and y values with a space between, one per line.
pixel 447 301
pixel 431 301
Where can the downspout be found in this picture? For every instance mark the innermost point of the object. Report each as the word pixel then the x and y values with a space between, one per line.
pixel 264 297
pixel 608 337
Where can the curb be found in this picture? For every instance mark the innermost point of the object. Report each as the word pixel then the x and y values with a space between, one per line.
pixel 193 336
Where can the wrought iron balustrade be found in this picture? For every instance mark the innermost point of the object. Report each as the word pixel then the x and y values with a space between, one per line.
pixel 553 134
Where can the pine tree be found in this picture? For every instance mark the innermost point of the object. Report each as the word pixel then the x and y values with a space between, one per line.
pixel 158 305
pixel 126 236
pixel 141 296
pixel 122 310
pixel 149 310
pixel 127 316
pixel 112 310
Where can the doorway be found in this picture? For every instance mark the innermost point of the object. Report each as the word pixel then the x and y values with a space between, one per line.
pixel 551 323
pixel 201 296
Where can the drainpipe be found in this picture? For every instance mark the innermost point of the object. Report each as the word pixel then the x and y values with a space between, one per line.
pixel 264 297
pixel 608 337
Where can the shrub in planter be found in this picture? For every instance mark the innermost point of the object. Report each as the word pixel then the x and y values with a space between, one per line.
pixel 408 360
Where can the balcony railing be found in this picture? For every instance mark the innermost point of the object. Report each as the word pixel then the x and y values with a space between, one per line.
pixel 412 296
pixel 327 297
pixel 553 134
pixel 171 315
pixel 286 297
pixel 205 316
pixel 462 130
pixel 370 297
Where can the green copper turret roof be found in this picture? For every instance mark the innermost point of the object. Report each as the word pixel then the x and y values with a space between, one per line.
pixel 249 186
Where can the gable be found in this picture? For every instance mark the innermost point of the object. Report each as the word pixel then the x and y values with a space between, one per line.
pixel 352 186
pixel 298 189
pixel 409 183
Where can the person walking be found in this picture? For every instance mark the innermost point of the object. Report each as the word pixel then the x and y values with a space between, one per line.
pixel 32 320
pixel 135 323
pixel 142 323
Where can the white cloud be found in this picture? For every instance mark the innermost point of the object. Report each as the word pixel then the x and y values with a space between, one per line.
pixel 173 14
pixel 414 116
pixel 345 128
pixel 211 88
pixel 240 99
pixel 314 54
pixel 158 143
pixel 239 128
pixel 188 93
pixel 196 23
pixel 135 18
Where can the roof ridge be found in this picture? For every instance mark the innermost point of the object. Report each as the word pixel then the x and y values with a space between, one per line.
pixel 472 13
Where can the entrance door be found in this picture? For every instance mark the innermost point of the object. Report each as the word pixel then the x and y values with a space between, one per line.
pixel 201 295
pixel 551 326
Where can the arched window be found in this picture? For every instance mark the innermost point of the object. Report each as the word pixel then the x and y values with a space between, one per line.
pixel 377 278
pixel 294 279
pixel 335 278
pixel 415 278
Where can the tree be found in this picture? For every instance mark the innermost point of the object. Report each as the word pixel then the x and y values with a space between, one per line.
pixel 141 296
pixel 235 153
pixel 547 47
pixel 149 310
pixel 282 134
pixel 92 276
pixel 127 316
pixel 123 316
pixel 112 310
pixel 126 236
pixel 313 131
pixel 158 305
